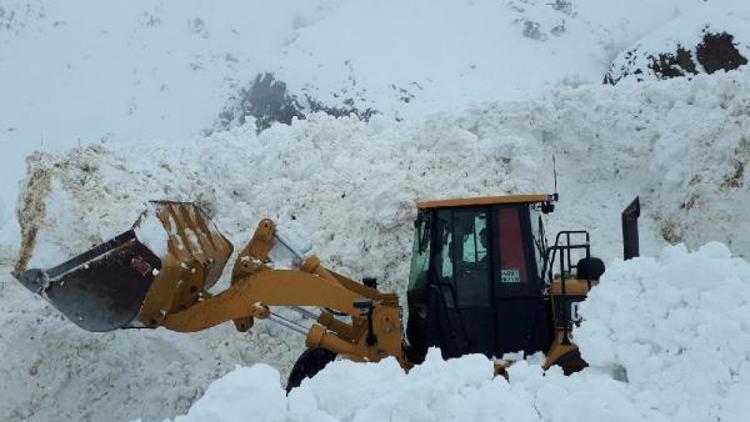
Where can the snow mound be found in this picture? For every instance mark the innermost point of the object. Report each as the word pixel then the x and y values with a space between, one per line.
pixel 680 144
pixel 668 339
pixel 350 188
pixel 57 371
pixel 676 327
pixel 700 41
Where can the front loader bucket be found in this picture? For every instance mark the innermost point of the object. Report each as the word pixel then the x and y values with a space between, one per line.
pixel 163 264
pixel 102 289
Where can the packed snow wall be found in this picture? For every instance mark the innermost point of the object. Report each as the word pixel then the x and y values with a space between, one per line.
pixel 350 188
pixel 667 339
pixel 171 71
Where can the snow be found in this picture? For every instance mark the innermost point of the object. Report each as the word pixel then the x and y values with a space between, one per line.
pixel 667 337
pixel 475 97
pixel 351 187
pixel 677 324
pixel 150 231
pixel 244 392
pixel 156 70
pixel 53 370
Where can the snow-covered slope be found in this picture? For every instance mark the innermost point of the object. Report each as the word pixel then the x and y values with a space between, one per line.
pixel 84 72
pixel 668 339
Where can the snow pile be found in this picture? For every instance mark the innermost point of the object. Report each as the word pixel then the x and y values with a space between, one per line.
pixel 350 188
pixel 455 390
pixel 668 339
pixel 678 328
pixel 679 144
pixel 53 370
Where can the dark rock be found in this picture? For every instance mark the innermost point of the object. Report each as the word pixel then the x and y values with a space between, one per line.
pixel 268 100
pixel 716 51
pixel 668 65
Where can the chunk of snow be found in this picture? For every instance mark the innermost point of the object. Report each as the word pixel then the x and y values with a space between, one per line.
pixel 151 232
pixel 676 328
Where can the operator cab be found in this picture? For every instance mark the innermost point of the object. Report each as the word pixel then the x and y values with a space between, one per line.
pixel 476 283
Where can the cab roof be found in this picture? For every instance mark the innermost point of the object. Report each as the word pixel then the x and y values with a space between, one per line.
pixel 487 200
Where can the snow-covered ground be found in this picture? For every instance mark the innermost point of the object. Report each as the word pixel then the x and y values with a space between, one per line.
pixel 668 339
pixel 54 371
pixel 474 98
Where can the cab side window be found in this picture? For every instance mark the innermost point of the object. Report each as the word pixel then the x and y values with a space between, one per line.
pixel 472 270
pixel 474 238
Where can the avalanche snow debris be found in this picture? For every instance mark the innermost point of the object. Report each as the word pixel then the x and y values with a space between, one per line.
pixel 677 325
pixel 674 142
pixel 680 145
pixel 161 70
pixel 627 138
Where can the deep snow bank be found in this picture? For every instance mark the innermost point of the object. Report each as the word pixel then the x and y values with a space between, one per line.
pixel 679 327
pixel 350 187
pixel 668 339
pixel 53 370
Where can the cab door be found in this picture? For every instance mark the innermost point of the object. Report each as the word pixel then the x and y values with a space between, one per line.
pixel 462 262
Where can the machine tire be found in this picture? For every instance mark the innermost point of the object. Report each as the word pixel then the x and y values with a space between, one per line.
pixel 309 363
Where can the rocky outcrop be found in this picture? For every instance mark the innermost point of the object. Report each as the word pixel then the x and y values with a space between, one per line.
pixel 715 51
pixel 268 100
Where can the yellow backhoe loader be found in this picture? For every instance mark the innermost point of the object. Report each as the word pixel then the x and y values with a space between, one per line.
pixel 483 280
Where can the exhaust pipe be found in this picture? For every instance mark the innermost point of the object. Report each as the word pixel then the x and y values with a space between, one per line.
pixel 630 229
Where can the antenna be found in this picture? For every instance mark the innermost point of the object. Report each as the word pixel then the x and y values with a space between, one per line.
pixel 549 205
pixel 556 195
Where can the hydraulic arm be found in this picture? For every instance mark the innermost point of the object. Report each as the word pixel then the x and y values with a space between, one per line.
pixel 256 287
